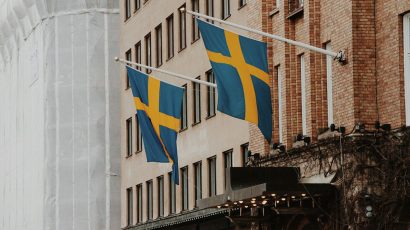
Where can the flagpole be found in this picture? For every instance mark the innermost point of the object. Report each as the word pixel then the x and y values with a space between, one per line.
pixel 340 56
pixel 167 72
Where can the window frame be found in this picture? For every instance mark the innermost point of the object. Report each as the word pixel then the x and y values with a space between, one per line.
pixel 278 78
pixel 129 140
pixel 139 196
pixel 211 94
pixel 137 5
pixel 130 206
pixel 303 93
pixel 127 9
pixel 158 45
pixel 172 195
pixel 128 57
pixel 227 156
pixel 329 85
pixel 139 143
pixel 210 10
pixel 406 66
pixel 198 181
pixel 241 4
pixel 160 195
pixel 184 109
pixel 170 37
pixel 212 184
pixel 184 188
pixel 148 51
pixel 182 28
pixel 196 96
pixel 226 4
pixel 245 154
pixel 195 29
pixel 150 200
pixel 138 54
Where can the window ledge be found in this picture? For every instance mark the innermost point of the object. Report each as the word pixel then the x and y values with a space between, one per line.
pixel 226 17
pixel 180 50
pixel 182 130
pixel 210 116
pixel 273 12
pixel 196 123
pixel 139 151
pixel 195 40
pixel 169 58
pixel 240 7
pixel 128 156
pixel 296 12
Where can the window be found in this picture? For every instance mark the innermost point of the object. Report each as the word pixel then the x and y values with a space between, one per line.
pixel 182 29
pixel 303 92
pixel 226 9
pixel 139 135
pixel 139 203
pixel 198 180
pixel 406 40
pixel 245 154
pixel 212 176
pixel 242 3
pixel 197 101
pixel 184 113
pixel 129 136
pixel 148 51
pixel 160 195
pixel 195 29
pixel 128 58
pixel 158 46
pixel 137 5
pixel 149 200
pixel 185 191
pixel 227 163
pixel 295 5
pixel 138 57
pixel 329 82
pixel 279 92
pixel 170 36
pixel 172 194
pixel 209 8
pixel 127 9
pixel 210 77
pixel 129 206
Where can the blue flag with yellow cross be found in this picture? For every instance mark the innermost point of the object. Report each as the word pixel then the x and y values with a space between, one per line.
pixel 158 106
pixel 240 65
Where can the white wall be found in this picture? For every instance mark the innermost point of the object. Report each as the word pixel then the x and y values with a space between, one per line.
pixel 59 113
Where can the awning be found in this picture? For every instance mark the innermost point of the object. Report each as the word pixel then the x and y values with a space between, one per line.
pixel 269 186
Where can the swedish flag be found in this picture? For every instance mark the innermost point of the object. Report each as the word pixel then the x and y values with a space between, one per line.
pixel 158 107
pixel 240 65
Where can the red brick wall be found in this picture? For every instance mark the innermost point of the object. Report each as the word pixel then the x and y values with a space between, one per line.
pixel 389 60
pixel 258 19
pixel 368 88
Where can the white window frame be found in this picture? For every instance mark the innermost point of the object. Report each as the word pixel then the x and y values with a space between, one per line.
pixel 406 46
pixel 303 92
pixel 329 83
pixel 280 108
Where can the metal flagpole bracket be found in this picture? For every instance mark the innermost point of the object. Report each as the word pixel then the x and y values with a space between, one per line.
pixel 166 72
pixel 341 57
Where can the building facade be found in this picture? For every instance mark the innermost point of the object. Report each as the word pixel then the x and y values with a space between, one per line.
pixel 157 34
pixel 338 183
